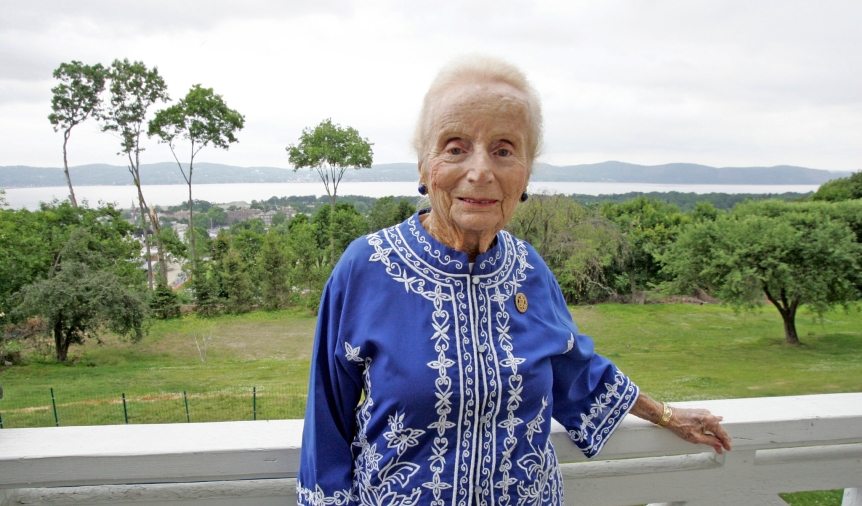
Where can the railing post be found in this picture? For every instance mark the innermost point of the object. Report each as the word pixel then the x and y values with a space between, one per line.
pixel 254 401
pixel 852 497
pixel 186 400
pixel 125 412
pixel 54 404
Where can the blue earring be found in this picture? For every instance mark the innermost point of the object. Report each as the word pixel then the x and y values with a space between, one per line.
pixel 524 197
pixel 423 190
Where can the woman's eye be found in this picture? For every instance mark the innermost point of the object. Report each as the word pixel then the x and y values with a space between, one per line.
pixel 455 151
pixel 504 152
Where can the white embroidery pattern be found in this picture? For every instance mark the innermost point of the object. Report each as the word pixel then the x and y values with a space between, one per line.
pixel 443 384
pixel 316 497
pixel 413 223
pixel 515 388
pixel 368 461
pixel 605 412
pixel 540 465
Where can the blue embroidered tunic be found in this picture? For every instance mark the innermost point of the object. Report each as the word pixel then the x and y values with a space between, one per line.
pixel 429 387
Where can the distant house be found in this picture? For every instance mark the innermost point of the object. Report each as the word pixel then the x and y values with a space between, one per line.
pixel 243 215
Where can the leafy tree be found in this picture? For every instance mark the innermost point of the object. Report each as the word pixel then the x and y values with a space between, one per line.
pixel 792 254
pixel 579 245
pixel 76 98
pixel 32 243
pixel 206 288
pixel 81 295
pixel 309 266
pixel 843 188
pixel 216 215
pixel 134 89
pixel 278 218
pixel 274 270
pixel 201 118
pixel 650 226
pixel 338 230
pixel 235 283
pixel 164 303
pixel 172 244
pixel 386 212
pixel 330 150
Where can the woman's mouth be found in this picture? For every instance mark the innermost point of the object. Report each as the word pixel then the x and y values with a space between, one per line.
pixel 481 202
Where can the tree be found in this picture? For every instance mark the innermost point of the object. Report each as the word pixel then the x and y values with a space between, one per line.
pixel 579 245
pixel 76 98
pixel 386 212
pixel 32 243
pixel 274 271
pixel 82 295
pixel 330 150
pixel 843 188
pixel 235 283
pixel 650 226
pixel 134 89
pixel 202 118
pixel 791 253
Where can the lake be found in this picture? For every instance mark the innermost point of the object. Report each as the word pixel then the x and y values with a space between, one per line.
pixel 168 195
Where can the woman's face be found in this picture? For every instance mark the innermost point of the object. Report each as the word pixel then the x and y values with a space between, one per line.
pixel 476 167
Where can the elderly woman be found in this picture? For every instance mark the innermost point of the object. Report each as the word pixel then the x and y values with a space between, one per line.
pixel 444 345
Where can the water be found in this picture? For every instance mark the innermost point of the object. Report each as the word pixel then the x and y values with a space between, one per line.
pixel 168 195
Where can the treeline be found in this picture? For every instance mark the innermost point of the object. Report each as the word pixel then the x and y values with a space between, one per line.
pixel 77 271
pixel 789 253
pixel 688 201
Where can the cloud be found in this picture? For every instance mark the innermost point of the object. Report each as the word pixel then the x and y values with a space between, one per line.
pixel 723 83
pixel 156 16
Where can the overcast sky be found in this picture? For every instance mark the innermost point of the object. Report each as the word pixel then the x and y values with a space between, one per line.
pixel 719 83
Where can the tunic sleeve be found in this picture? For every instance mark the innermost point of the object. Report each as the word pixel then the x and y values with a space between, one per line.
pixel 591 396
pixel 326 462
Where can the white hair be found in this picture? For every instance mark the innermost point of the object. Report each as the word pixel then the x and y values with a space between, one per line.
pixel 478 68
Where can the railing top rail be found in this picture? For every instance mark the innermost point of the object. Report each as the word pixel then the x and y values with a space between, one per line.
pixel 268 449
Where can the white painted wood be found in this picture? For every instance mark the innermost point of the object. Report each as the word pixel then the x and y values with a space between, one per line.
pixel 246 492
pixel 782 444
pixel 852 497
pixel 62 456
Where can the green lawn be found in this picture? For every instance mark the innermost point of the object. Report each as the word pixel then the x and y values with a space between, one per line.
pixel 674 352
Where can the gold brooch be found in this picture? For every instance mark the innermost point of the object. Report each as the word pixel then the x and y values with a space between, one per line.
pixel 521 302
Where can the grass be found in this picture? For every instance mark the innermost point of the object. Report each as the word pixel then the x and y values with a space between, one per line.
pixel 674 352
pixel 266 351
pixel 682 352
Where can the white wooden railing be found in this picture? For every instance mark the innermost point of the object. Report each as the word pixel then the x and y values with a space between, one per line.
pixel 780 444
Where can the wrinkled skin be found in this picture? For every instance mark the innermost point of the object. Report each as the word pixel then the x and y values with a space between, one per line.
pixel 477 164
pixel 697 426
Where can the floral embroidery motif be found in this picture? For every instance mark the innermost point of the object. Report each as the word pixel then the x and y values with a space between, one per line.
pixel 395 472
pixel 545 482
pixel 316 497
pixel 605 413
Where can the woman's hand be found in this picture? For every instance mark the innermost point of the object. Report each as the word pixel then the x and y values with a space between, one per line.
pixel 697 426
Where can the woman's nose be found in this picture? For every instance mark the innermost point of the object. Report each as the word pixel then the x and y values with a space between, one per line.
pixel 480 168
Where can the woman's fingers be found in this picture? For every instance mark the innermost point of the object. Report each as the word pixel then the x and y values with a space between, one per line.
pixel 701 427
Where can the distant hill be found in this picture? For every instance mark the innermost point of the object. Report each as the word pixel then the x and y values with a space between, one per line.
pixel 212 173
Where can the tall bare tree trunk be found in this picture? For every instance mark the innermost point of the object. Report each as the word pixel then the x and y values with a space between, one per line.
pixel 332 229
pixel 141 205
pixel 191 216
pixel 66 168
pixel 163 262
